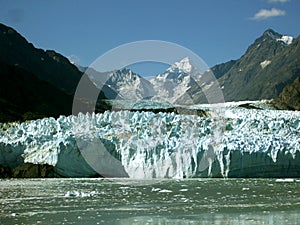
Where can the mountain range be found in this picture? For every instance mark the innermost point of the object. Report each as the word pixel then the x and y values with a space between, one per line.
pixel 36 83
pixel 268 65
pixel 167 87
pixel 271 63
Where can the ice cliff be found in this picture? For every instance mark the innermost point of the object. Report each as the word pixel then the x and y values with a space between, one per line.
pixel 231 142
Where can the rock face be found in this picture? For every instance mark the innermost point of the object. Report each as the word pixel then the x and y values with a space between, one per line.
pixel 35 83
pixel 46 65
pixel 289 98
pixel 23 96
pixel 27 170
pixel 175 81
pixel 125 83
pixel 268 65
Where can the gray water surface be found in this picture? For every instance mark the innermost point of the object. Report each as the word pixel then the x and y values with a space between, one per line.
pixel 166 201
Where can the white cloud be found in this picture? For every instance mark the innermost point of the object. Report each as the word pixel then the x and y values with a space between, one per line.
pixel 275 1
pixel 267 13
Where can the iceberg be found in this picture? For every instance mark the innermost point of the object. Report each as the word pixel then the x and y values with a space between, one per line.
pixel 227 142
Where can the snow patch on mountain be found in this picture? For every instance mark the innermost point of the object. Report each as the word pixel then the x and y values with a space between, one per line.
pixel 283 38
pixel 286 39
pixel 183 65
pixel 265 63
pixel 129 85
pixel 166 87
pixel 175 81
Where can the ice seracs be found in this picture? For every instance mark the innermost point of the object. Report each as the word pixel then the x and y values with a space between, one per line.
pixel 145 145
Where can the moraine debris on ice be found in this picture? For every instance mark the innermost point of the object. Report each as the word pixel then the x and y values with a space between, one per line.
pixel 232 142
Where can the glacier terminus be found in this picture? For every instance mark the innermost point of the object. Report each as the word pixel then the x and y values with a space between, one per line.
pixel 144 145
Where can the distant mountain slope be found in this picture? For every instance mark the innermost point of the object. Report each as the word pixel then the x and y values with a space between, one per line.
pixel 289 98
pixel 269 64
pixel 46 65
pixel 168 86
pixel 123 84
pixel 220 69
pixel 36 83
pixel 23 96
pixel 263 71
pixel 175 81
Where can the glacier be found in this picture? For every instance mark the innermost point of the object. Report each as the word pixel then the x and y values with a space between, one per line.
pixel 228 142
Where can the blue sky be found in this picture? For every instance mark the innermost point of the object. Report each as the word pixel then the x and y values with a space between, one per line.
pixel 216 30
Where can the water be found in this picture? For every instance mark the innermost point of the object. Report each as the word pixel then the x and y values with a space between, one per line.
pixel 124 201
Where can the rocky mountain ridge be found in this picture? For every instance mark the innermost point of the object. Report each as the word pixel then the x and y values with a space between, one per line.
pixel 268 65
pixel 34 83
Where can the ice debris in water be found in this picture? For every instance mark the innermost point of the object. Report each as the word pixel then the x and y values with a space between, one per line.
pixel 155 189
pixel 80 194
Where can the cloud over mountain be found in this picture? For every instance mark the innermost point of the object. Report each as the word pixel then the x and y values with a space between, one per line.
pixel 276 1
pixel 268 13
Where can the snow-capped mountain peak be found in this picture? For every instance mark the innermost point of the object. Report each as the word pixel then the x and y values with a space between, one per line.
pixel 278 37
pixel 175 81
pixel 128 85
pixel 272 34
pixel 183 65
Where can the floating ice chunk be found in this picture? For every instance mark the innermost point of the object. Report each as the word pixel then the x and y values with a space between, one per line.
pixel 286 180
pixel 183 190
pixel 184 199
pixel 165 191
pixel 155 189
pixel 80 194
pixel 125 187
pixel 72 194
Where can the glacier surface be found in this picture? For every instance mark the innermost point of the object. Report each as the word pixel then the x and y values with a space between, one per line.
pixel 230 142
